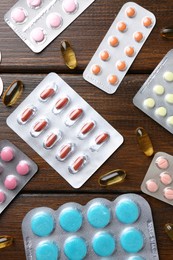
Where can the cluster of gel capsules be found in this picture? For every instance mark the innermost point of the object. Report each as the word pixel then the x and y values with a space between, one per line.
pixel 155 98
pixel 65 130
pixel 119 47
pixel 122 229
pixel 158 181
pixel 38 22
pixel 16 169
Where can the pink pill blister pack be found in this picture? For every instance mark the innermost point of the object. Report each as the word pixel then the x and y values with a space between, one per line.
pixel 158 181
pixel 39 22
pixel 16 169
pixel 119 47
pixel 65 130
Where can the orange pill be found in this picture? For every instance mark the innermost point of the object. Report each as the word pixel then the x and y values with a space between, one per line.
pixel 96 69
pixel 138 36
pixel 45 94
pixel 121 65
pixel 75 114
pixel 112 79
pixel 113 41
pixel 78 163
pixel 130 12
pixel 40 125
pixel 129 51
pixel 100 139
pixel 104 55
pixel 64 152
pixel 121 26
pixel 147 22
pixel 27 114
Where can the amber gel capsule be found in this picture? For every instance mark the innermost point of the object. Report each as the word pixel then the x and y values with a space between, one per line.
pixel 112 177
pixel 12 93
pixel 144 141
pixel 169 230
pixel 5 241
pixel 167 33
pixel 68 55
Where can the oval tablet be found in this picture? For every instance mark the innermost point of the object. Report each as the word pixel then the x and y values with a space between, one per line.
pixel 102 138
pixel 75 114
pixel 65 151
pixel 27 114
pixel 47 93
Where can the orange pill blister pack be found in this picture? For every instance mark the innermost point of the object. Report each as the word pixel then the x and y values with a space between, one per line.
pixel 119 47
pixel 65 130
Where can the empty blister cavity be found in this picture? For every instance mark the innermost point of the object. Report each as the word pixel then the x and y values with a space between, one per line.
pixel 48 92
pixel 39 126
pixel 61 104
pixel 52 138
pixel 65 151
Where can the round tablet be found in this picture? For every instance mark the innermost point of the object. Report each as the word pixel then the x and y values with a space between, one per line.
pixel 96 69
pixel 54 20
pixel 69 6
pixel 129 51
pixel 98 215
pixel 103 244
pixel 70 219
pixel 161 111
pixel 47 250
pixel 169 98
pixel 42 224
pixel 10 182
pixel 149 102
pixel 18 15
pixel 127 211
pixel 2 196
pixel 168 193
pixel 104 55
pixel 132 240
pixel 135 258
pixel 113 41
pixel 130 12
pixel 147 21
pixel 162 162
pixel 168 76
pixel 37 35
pixel 151 185
pixel 23 167
pixel 7 154
pixel 112 79
pixel 159 90
pixel 75 248
pixel 121 26
pixel 138 36
pixel 165 178
pixel 170 120
pixel 121 65
pixel 34 3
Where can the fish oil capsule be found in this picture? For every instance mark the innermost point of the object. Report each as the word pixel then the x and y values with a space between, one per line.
pixel 169 230
pixel 12 93
pixel 144 141
pixel 99 141
pixel 78 164
pixel 112 177
pixel 48 92
pixel 65 151
pixel 60 104
pixel 167 33
pixel 27 115
pixel 86 129
pixel 39 127
pixel 1 87
pixel 74 116
pixel 68 55
pixel 52 139
pixel 5 241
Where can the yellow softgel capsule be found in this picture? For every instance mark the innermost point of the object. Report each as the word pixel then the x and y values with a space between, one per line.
pixel 68 55
pixel 149 102
pixel 159 89
pixel 12 93
pixel 161 111
pixel 169 230
pixel 167 33
pixel 144 141
pixel 169 98
pixel 5 241
pixel 168 76
pixel 170 120
pixel 112 177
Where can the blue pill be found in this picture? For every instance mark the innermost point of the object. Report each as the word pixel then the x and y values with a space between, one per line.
pixel 127 211
pixel 70 219
pixel 103 244
pixel 42 224
pixel 136 258
pixel 47 250
pixel 132 240
pixel 75 248
pixel 98 216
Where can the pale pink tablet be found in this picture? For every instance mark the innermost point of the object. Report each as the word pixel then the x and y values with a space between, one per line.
pixel 37 34
pixel 168 193
pixel 7 154
pixel 34 3
pixel 69 6
pixel 18 15
pixel 151 185
pixel 162 163
pixel 165 178
pixel 10 182
pixel 23 167
pixel 2 196
pixel 54 20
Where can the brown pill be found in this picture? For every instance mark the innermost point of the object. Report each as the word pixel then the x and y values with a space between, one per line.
pixel 27 114
pixel 65 151
pixel 75 114
pixel 101 138
pixel 169 230
pixel 104 55
pixel 49 92
pixel 129 51
pixel 167 33
pixel 130 12
pixel 68 55
pixel 138 36
pixel 87 128
pixel 12 93
pixel 51 140
pixel 113 41
pixel 78 163
pixel 147 21
pixel 5 241
pixel 121 65
pixel 121 26
pixel 62 102
pixel 39 126
pixel 112 177
pixel 112 79
pixel 96 69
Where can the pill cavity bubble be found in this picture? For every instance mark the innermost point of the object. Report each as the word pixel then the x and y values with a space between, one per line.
pixel 113 177
pixel 149 102
pixel 98 215
pixel 165 178
pixel 48 92
pixel 162 163
pixel 61 104
pixel 75 248
pixel 54 20
pixel 168 76
pixel 138 36
pixel 7 154
pixel 37 35
pixel 39 127
pixel 78 164
pixel 23 168
pixel 169 230
pixel 47 250
pixel 129 51
pixel 104 55
pixel 74 116
pixel 34 3
pixel 52 138
pixel 13 93
pixel 2 197
pixel 70 219
pixel 144 141
pixel 130 12
pixel 86 129
pixel 70 6
pixel 103 244
pixel 161 111
pixel 169 98
pixel 147 22
pixel 168 193
pixel 27 115
pixel 121 65
pixel 152 186
pixel 65 151
pixel 18 15
pixel 10 182
pixel 113 41
pixel 159 90
pixel 170 120
pixel 112 79
pixel 122 26
pixel 96 69
pixel 100 140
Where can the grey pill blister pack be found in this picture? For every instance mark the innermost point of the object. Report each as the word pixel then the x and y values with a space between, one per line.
pixel 102 229
pixel 65 130
pixel 16 169
pixel 39 22
pixel 155 97
pixel 120 46
pixel 158 181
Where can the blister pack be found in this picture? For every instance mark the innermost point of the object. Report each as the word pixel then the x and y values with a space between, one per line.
pixel 65 130
pixel 39 22
pixel 102 229
pixel 16 169
pixel 155 97
pixel 119 47
pixel 158 181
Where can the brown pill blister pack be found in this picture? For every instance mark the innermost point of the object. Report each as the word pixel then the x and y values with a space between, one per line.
pixel 65 130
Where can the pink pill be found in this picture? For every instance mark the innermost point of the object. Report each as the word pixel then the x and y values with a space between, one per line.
pixel 151 186
pixel 168 193
pixel 34 3
pixel 165 178
pixel 69 6
pixel 37 34
pixel 10 182
pixel 18 15
pixel 7 154
pixel 162 163
pixel 2 196
pixel 54 20
pixel 23 167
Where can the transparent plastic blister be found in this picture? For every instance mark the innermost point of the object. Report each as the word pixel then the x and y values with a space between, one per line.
pixel 76 141
pixel 158 181
pixel 155 97
pixel 16 169
pixel 102 229
pixel 39 22
pixel 119 47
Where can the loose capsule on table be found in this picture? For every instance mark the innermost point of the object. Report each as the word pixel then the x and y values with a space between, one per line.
pixel 1 86
pixel 12 93
pixel 167 33
pixel 169 230
pixel 5 241
pixel 144 141
pixel 112 177
pixel 68 55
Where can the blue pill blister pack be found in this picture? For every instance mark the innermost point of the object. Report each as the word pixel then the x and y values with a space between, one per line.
pixel 102 229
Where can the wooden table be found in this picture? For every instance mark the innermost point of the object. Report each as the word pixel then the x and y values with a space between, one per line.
pixel 48 188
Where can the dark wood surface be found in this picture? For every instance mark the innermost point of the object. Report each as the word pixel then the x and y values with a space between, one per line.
pixel 48 188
